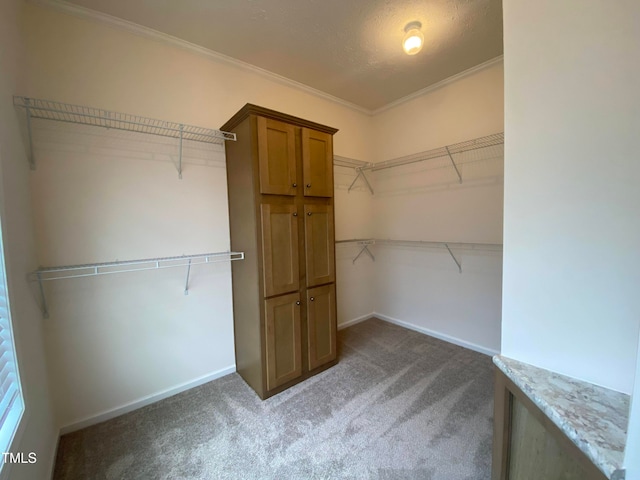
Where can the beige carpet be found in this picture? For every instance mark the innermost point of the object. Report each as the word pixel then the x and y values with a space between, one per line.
pixel 398 405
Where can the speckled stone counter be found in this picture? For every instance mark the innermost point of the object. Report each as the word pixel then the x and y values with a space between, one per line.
pixel 594 418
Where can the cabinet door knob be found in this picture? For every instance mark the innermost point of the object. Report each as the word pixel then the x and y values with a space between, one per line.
pixel 298 302
pixel 294 185
pixel 312 299
pixel 308 185
pixel 309 213
pixel 295 214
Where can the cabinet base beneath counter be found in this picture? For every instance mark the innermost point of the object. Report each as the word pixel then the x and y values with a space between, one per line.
pixel 550 426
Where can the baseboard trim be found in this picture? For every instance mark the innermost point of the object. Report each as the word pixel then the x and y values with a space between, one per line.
pixel 144 401
pixel 353 321
pixel 438 335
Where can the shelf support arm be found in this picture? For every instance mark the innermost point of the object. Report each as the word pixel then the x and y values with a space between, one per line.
pixel 186 284
pixel 454 166
pixel 454 258
pixel 365 249
pixel 180 158
pixel 45 308
pixel 360 173
pixel 32 160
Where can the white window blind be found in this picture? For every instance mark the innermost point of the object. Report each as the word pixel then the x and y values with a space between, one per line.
pixel 11 404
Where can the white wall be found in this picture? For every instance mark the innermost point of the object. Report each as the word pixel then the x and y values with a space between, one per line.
pixel 103 195
pixel 421 287
pixel 38 430
pixel 116 342
pixel 572 229
pixel 354 219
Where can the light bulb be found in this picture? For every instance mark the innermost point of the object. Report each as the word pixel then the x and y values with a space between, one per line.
pixel 413 39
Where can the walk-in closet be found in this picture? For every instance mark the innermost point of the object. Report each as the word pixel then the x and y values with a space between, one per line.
pixel 270 239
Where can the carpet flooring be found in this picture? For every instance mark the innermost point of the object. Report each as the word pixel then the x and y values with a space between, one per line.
pixel 399 405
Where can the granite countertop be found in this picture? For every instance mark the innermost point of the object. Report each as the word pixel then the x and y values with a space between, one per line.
pixel 593 417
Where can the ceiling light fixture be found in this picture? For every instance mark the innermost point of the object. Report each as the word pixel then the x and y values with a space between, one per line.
pixel 413 39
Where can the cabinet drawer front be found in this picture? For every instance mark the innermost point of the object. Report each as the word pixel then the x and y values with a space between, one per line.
pixel 317 163
pixel 280 249
pixel 283 341
pixel 319 244
pixel 276 157
pixel 321 325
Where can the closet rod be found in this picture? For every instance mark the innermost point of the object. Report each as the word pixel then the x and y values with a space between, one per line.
pixel 44 274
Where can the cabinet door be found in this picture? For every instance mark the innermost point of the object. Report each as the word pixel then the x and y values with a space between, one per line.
pixel 321 325
pixel 319 244
pixel 317 163
pixel 276 157
pixel 283 342
pixel 535 453
pixel 280 266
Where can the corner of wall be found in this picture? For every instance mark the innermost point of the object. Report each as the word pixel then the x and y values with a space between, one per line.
pixel 38 430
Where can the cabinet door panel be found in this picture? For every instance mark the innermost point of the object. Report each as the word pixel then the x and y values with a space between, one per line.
pixel 535 453
pixel 319 244
pixel 321 328
pixel 280 249
pixel 283 342
pixel 317 163
pixel 276 157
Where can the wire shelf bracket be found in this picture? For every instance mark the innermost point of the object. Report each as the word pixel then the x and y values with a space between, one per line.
pixel 365 244
pixel 453 256
pixel 365 249
pixel 358 166
pixel 361 174
pixel 454 165
pixel 82 115
pixel 45 274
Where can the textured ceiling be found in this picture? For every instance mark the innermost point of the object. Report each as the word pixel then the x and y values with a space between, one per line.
pixel 350 49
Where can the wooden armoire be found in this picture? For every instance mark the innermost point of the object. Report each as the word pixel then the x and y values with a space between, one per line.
pixel 280 187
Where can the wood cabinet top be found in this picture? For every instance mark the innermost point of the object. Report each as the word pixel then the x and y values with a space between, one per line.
pixel 250 109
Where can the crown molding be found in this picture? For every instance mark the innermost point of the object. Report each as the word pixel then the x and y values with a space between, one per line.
pixel 146 32
pixel 440 84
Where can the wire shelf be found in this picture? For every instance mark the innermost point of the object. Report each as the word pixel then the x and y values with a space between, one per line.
pixel 358 241
pixel 347 162
pixel 424 243
pixel 446 151
pixel 65 112
pixel 44 274
pixel 92 269
pixel 97 117
pixel 449 151
pixel 365 243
